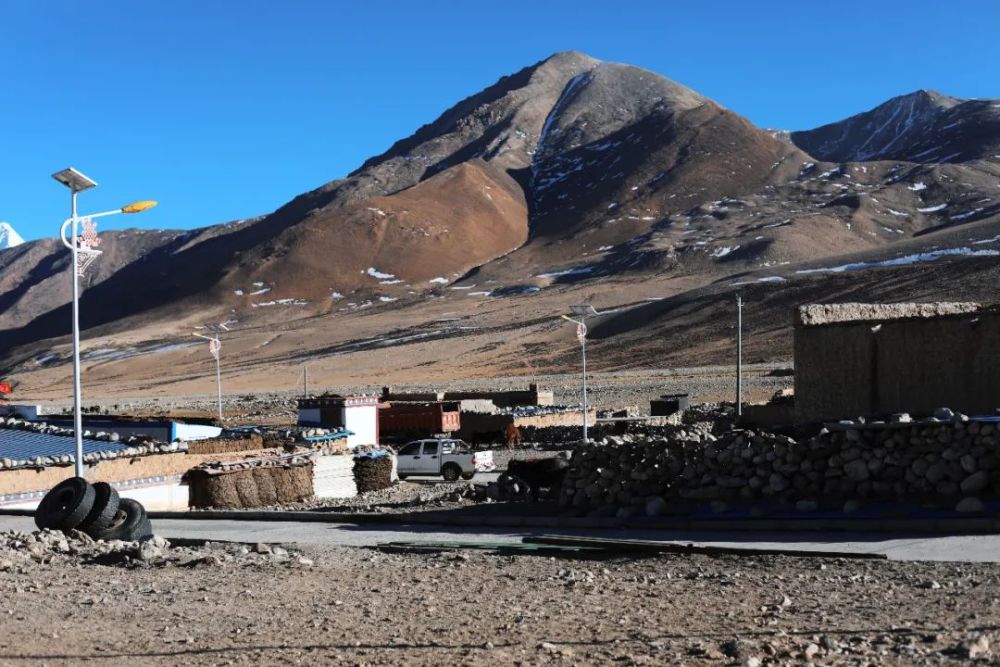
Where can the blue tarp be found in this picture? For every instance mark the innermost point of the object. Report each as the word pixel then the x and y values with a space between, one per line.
pixel 336 435
pixel 25 445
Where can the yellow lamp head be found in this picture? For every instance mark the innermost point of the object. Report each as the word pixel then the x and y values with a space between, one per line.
pixel 138 206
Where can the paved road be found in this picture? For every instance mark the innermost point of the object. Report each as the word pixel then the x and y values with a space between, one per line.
pixel 984 548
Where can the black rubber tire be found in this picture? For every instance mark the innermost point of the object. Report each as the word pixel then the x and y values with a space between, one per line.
pixel 66 505
pixel 129 523
pixel 468 475
pixel 104 510
pixel 144 531
pixel 451 472
pixel 401 477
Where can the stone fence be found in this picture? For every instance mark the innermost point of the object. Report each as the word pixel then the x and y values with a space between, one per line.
pixel 937 464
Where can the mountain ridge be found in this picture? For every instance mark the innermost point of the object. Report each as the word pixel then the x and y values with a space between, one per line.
pixel 567 173
pixel 922 126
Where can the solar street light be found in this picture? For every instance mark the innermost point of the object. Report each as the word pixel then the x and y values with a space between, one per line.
pixel 83 247
pixel 582 312
pixel 215 348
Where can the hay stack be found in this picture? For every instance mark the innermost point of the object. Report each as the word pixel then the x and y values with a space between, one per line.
pixel 373 473
pixel 250 487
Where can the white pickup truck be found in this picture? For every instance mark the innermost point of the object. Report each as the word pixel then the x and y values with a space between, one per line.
pixel 446 457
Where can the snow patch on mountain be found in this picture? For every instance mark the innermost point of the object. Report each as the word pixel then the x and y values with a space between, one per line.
pixel 375 273
pixel 915 258
pixel 9 237
pixel 932 209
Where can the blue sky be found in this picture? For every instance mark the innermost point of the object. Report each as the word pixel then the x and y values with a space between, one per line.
pixel 227 109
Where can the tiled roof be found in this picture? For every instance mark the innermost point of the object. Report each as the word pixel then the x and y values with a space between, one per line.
pixel 21 445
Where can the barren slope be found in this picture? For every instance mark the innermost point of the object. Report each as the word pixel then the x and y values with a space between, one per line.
pixel 570 181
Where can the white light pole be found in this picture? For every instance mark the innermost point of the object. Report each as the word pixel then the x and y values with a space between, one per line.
pixel 77 182
pixel 582 312
pixel 215 347
pixel 739 357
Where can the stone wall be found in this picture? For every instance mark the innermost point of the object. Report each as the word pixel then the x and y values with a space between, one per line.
pixel 866 359
pixel 942 464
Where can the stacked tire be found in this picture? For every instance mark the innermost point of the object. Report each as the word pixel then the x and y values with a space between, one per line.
pixel 95 509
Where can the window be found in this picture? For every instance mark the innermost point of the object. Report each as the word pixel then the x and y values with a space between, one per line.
pixel 431 448
pixel 410 449
pixel 454 447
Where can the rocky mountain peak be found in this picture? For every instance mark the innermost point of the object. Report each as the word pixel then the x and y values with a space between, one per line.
pixel 896 129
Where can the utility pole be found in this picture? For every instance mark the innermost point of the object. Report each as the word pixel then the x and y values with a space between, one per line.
pixel 305 382
pixel 739 356
pixel 215 347
pixel 583 312
pixel 218 375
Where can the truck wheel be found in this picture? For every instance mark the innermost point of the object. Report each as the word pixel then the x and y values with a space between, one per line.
pixel 66 505
pixel 103 512
pixel 468 475
pixel 451 472
pixel 130 523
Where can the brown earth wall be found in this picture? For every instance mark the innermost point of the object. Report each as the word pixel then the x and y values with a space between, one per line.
pixel 226 445
pixel 474 424
pixel 22 480
pixel 871 368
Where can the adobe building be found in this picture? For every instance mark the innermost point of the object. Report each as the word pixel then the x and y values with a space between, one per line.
pixel 163 429
pixel 860 359
pixel 357 414
pixel 34 457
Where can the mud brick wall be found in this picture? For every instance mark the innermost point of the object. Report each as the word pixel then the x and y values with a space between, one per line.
pixel 896 358
pixel 25 480
pixel 252 441
pixel 487 427
pixel 932 464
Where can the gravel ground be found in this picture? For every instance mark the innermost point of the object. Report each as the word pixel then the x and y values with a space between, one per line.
pixel 361 607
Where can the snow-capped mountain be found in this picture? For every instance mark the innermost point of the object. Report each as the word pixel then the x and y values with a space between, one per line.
pixel 8 237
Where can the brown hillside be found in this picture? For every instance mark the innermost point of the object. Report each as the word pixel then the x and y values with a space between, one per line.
pixel 462 217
